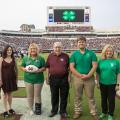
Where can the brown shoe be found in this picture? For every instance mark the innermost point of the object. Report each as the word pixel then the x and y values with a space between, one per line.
pixel 95 117
pixel 63 116
pixel 76 115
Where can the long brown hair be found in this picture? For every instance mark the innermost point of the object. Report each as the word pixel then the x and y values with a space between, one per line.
pixel 4 55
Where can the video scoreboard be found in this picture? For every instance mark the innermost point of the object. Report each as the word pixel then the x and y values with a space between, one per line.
pixel 66 15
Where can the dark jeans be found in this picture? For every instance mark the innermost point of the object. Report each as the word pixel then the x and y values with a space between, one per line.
pixel 59 87
pixel 108 98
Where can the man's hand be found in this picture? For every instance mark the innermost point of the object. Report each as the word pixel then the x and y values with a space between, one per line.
pixel 1 83
pixel 69 79
pixel 85 76
pixel 47 81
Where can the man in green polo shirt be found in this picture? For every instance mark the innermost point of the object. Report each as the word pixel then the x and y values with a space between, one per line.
pixel 83 64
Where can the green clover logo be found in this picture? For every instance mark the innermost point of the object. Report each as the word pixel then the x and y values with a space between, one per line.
pixel 68 15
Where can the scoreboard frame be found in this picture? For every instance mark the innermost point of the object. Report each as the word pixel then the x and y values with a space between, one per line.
pixel 51 18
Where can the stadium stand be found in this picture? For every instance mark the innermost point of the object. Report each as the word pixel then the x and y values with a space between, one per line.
pixel 65 34
pixel 95 43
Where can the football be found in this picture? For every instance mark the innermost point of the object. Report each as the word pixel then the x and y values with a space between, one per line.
pixel 31 68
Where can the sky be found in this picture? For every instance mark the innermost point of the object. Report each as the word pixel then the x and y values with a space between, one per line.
pixel 13 13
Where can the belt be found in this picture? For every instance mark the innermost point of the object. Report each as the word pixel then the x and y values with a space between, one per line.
pixel 59 76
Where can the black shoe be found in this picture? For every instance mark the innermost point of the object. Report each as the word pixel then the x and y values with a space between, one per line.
pixel 37 108
pixel 5 114
pixel 11 112
pixel 52 114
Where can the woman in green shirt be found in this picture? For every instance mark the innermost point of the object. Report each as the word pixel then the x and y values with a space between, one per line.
pixel 108 73
pixel 33 79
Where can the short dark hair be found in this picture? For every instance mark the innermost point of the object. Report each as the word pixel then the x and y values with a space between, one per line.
pixel 81 38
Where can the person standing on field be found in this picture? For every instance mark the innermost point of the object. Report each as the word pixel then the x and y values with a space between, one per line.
pixel 8 79
pixel 34 80
pixel 108 79
pixel 57 77
pixel 83 64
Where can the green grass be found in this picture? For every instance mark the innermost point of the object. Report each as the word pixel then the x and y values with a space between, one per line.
pixel 21 92
pixel 70 108
pixel 9 118
pixel 20 73
pixel 86 115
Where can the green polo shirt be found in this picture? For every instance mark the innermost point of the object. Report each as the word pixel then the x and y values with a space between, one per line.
pixel 83 62
pixel 108 70
pixel 34 78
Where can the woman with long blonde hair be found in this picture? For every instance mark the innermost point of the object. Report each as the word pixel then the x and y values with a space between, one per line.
pixel 33 79
pixel 108 75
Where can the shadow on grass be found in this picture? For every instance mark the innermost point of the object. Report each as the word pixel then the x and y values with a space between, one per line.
pixel 13 117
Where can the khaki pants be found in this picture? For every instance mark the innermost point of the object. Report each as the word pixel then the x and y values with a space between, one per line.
pixel 33 93
pixel 88 85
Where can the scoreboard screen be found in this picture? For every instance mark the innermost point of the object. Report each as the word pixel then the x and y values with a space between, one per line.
pixel 65 15
pixel 68 15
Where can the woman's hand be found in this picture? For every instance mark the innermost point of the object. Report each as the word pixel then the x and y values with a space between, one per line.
pixel 23 69
pixel 38 71
pixel 97 84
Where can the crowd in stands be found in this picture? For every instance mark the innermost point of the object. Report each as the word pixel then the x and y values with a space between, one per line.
pixel 95 43
pixel 98 43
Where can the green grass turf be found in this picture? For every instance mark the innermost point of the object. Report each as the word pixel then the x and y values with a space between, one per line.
pixel 21 92
pixel 9 118
pixel 2 118
pixel 86 115
pixel 70 108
